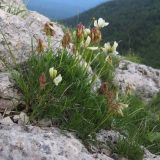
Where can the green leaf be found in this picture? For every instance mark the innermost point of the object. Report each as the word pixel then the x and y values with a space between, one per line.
pixel 153 136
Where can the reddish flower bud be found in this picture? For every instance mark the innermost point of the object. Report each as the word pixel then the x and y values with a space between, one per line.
pixel 40 46
pixel 96 35
pixel 80 31
pixel 42 81
pixel 66 39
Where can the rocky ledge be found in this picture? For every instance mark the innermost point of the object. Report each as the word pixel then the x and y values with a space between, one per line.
pixel 33 143
pixel 143 80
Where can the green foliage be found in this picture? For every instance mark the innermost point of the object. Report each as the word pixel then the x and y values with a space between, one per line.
pixel 71 104
pixel 153 135
pixel 133 58
pixel 140 125
pixel 135 24
pixel 128 148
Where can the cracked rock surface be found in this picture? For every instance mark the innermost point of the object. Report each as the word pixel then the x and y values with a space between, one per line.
pixel 34 143
pixel 144 80
pixel 18 35
pixel 9 96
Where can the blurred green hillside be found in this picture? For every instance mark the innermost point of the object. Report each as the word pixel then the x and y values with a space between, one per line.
pixel 135 24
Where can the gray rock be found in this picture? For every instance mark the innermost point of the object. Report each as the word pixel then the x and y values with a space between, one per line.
pixel 35 23
pixel 1 116
pixel 33 143
pixel 23 118
pixel 108 136
pixel 16 118
pixel 6 121
pixel 145 81
pixel 17 34
pixel 150 156
pixel 15 7
pixel 45 123
pixel 9 96
pixel 14 2
pixel 15 40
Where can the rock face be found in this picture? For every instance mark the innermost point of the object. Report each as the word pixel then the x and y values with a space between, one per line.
pixel 12 2
pixel 15 7
pixel 9 97
pixel 18 35
pixel 143 79
pixel 33 143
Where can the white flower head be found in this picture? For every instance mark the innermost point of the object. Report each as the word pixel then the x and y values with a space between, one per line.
pixel 87 42
pixel 100 23
pixel 114 48
pixel 52 72
pixel 108 49
pixel 57 80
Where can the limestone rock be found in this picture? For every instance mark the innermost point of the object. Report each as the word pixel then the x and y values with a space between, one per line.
pixel 150 156
pixel 15 2
pixel 45 122
pixel 9 96
pixel 33 143
pixel 6 121
pixel 23 118
pixel 19 35
pixel 143 79
pixel 110 136
pixel 15 7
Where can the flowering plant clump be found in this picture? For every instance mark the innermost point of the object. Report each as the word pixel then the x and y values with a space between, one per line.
pixel 86 41
pixel 82 62
pixel 74 86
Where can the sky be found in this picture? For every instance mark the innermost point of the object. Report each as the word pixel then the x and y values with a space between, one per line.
pixel 60 9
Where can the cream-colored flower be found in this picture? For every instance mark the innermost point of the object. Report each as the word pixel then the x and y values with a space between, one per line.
pixel 121 107
pixel 87 42
pixel 108 49
pixel 52 72
pixel 92 48
pixel 115 45
pixel 57 80
pixel 100 23
pixel 87 31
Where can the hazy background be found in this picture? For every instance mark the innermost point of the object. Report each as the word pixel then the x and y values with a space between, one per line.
pixel 60 9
